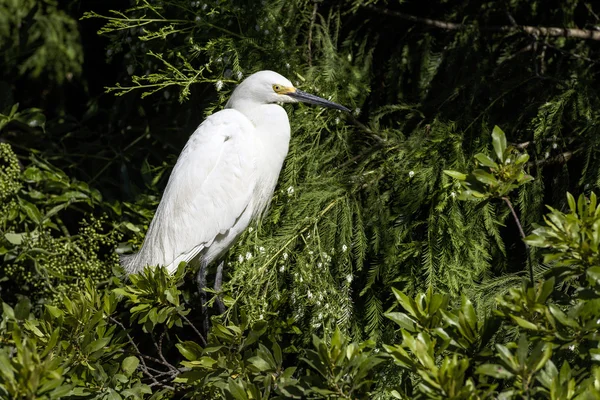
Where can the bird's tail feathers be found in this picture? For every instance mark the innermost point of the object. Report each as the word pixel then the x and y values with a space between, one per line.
pixel 129 263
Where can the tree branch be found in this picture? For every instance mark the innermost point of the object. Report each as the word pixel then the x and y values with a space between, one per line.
pixel 532 30
pixel 144 367
pixel 186 319
pixel 559 159
pixel 158 347
pixel 516 218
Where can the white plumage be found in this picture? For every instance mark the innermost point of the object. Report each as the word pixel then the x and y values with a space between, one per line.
pixel 224 177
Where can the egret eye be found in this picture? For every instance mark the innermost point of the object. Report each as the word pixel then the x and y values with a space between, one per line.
pixel 277 88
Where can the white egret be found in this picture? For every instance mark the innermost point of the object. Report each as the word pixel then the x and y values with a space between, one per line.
pixel 224 177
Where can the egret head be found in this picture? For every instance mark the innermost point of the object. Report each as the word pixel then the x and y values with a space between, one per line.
pixel 266 87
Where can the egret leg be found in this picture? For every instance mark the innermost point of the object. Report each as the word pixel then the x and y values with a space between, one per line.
pixel 217 287
pixel 201 282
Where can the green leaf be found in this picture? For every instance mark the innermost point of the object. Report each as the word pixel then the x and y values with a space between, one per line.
pixel 562 317
pixel 506 356
pixel 539 356
pixel 258 329
pixel 22 308
pixel 54 311
pixel 31 325
pixel 485 160
pixel 97 344
pixel 407 303
pixel 51 342
pixel 277 353
pixel 32 117
pixel 485 177
pixel 522 349
pixel 207 362
pixel 536 241
pixel 31 210
pixel 237 390
pixel 499 142
pixel 129 365
pixel 456 175
pixel 524 323
pixel 572 204
pixel 212 349
pixel 259 363
pixel 495 371
pixel 469 312
pixel 190 350
pixel 593 274
pixel 337 340
pixel 522 159
pixel 14 238
pixel 153 315
pixel 6 367
pixel 403 320
pixel 112 395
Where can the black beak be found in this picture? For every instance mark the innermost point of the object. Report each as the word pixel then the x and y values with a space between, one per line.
pixel 312 99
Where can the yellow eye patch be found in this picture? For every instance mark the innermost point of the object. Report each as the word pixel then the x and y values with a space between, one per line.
pixel 280 89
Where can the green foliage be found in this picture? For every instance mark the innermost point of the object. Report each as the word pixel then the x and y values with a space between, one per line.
pixel 154 298
pixel 83 345
pixel 40 255
pixel 31 118
pixel 362 206
pixel 345 370
pixel 71 350
pixel 573 237
pixel 494 179
pixel 9 176
pixel 236 363
pixel 440 343
pixel 239 362
pixel 41 39
pixel 365 227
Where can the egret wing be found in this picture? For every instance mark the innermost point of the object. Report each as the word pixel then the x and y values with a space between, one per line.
pixel 210 187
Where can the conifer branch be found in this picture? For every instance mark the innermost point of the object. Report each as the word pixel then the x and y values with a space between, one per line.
pixel 366 129
pixel 553 31
pixel 310 33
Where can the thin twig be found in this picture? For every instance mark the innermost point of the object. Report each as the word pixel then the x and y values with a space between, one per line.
pixel 154 359
pixel 525 49
pixel 144 366
pixel 195 329
pixel 592 12
pixel 568 53
pixel 516 217
pixel 158 347
pixel 532 30
pixel 158 373
pixel 171 375
pixel 559 159
pixel 524 145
